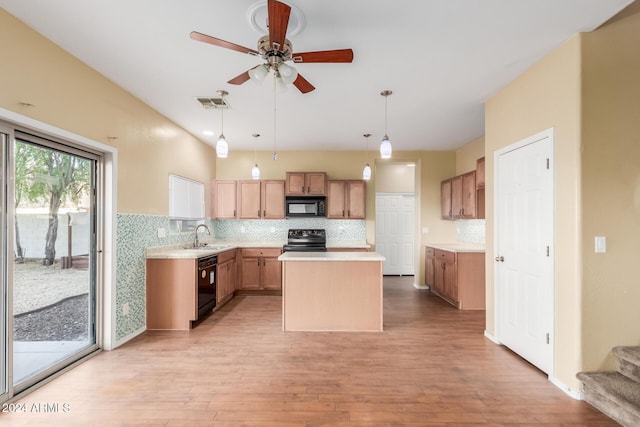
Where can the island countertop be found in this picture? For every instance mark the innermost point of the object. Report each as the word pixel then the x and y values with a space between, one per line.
pixel 458 246
pixel 331 256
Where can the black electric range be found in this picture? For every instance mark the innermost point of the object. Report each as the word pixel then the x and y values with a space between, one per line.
pixel 303 240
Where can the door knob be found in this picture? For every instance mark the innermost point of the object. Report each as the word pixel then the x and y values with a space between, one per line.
pixel 499 259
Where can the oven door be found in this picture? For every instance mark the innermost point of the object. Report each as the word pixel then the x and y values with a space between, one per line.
pixel 207 271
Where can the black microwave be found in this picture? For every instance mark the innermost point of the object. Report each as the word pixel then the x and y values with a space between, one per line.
pixel 305 207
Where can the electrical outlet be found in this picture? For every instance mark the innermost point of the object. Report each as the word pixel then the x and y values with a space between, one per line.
pixel 273 229
pixel 125 309
pixel 243 230
pixel 162 233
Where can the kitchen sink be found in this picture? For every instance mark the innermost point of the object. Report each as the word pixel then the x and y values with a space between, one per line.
pixel 210 247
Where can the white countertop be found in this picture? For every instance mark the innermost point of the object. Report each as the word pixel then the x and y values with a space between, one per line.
pixel 215 246
pixel 331 256
pixel 458 246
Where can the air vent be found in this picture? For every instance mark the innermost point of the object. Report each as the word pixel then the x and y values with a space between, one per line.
pixel 213 103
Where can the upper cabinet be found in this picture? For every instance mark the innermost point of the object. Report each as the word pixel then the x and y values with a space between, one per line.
pixel 480 189
pixel 250 199
pixel 480 173
pixel 458 197
pixel 346 199
pixel 305 183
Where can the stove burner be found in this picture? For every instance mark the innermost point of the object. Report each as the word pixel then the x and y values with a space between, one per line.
pixel 306 240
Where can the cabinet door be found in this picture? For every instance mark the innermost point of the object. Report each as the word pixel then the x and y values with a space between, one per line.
pixel 222 282
pixel 438 277
pixel 429 267
pixel 456 196
pixel 249 200
pixel 251 273
pixel 450 290
pixel 271 274
pixel 468 195
pixel 445 199
pixel 273 199
pixel 315 183
pixel 356 199
pixel 295 184
pixel 335 199
pixel 223 199
pixel 480 173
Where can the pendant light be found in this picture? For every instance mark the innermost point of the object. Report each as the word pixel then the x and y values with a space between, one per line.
pixel 366 172
pixel 222 147
pixel 385 145
pixel 255 170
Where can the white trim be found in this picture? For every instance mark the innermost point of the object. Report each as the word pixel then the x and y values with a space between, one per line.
pixel 575 394
pixel 491 337
pixel 130 336
pixel 106 337
pixel 415 285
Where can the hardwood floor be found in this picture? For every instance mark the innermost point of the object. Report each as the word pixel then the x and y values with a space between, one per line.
pixel 431 366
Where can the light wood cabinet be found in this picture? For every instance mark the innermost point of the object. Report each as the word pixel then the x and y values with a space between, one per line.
pixel 260 199
pixel 480 176
pixel 456 277
pixel 305 183
pixel 480 181
pixel 247 199
pixel 223 199
pixel 226 280
pixel 458 197
pixel 346 199
pixel 172 293
pixel 260 269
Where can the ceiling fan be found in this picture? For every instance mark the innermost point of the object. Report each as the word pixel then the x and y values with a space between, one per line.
pixel 276 50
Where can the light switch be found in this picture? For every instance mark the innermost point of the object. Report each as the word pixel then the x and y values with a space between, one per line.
pixel 601 244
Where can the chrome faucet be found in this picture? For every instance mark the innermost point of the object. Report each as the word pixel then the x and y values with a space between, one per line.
pixel 196 244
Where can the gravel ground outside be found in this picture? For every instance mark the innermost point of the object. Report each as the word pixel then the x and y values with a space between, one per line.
pixel 50 304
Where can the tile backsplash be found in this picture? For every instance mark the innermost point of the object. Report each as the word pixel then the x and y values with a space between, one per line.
pixel 277 228
pixel 470 230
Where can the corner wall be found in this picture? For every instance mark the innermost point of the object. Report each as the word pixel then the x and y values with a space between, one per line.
pixel 546 96
pixel 611 188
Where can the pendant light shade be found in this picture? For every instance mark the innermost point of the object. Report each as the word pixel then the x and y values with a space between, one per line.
pixel 222 147
pixel 255 170
pixel 385 145
pixel 258 73
pixel 366 172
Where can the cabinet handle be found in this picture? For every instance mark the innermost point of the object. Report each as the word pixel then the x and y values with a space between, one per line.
pixel 258 213
pixel 449 212
pixel 349 213
pixel 264 214
pixel 234 213
pixel 309 189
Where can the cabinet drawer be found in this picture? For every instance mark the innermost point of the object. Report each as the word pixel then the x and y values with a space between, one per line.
pixel 431 253
pixel 446 256
pixel 261 252
pixel 226 256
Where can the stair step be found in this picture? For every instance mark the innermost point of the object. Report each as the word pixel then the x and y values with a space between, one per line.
pixel 628 361
pixel 613 394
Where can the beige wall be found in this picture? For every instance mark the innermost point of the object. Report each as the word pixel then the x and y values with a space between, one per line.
pixel 611 188
pixel 394 177
pixel 546 96
pixel 431 168
pixel 68 94
pixel 467 155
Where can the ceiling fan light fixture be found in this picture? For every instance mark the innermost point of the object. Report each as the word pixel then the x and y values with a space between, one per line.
pixel 258 73
pixel 288 73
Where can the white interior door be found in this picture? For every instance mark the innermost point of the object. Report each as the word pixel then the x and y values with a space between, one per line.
pixel 524 251
pixel 394 232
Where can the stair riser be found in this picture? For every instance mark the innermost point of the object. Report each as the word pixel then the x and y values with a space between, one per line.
pixel 629 369
pixel 609 408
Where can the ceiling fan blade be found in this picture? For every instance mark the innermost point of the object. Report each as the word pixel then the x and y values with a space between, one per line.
pixel 239 79
pixel 303 85
pixel 338 55
pixel 221 43
pixel 278 22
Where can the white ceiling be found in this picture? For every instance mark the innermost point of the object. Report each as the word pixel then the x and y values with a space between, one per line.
pixel 441 58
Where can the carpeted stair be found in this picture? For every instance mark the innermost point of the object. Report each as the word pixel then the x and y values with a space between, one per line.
pixel 616 394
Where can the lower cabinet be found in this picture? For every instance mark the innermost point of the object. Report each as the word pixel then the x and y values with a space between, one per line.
pixel 226 280
pixel 456 277
pixel 260 269
pixel 172 293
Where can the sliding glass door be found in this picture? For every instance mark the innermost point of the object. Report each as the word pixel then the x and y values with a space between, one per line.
pixel 53 276
pixel 4 316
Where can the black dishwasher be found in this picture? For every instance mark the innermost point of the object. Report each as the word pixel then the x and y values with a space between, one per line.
pixel 207 269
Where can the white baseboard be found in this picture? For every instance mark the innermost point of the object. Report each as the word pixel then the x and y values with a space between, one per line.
pixel 575 394
pixel 415 285
pixel 491 337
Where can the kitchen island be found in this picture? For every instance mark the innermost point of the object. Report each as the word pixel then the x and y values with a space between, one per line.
pixel 331 291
